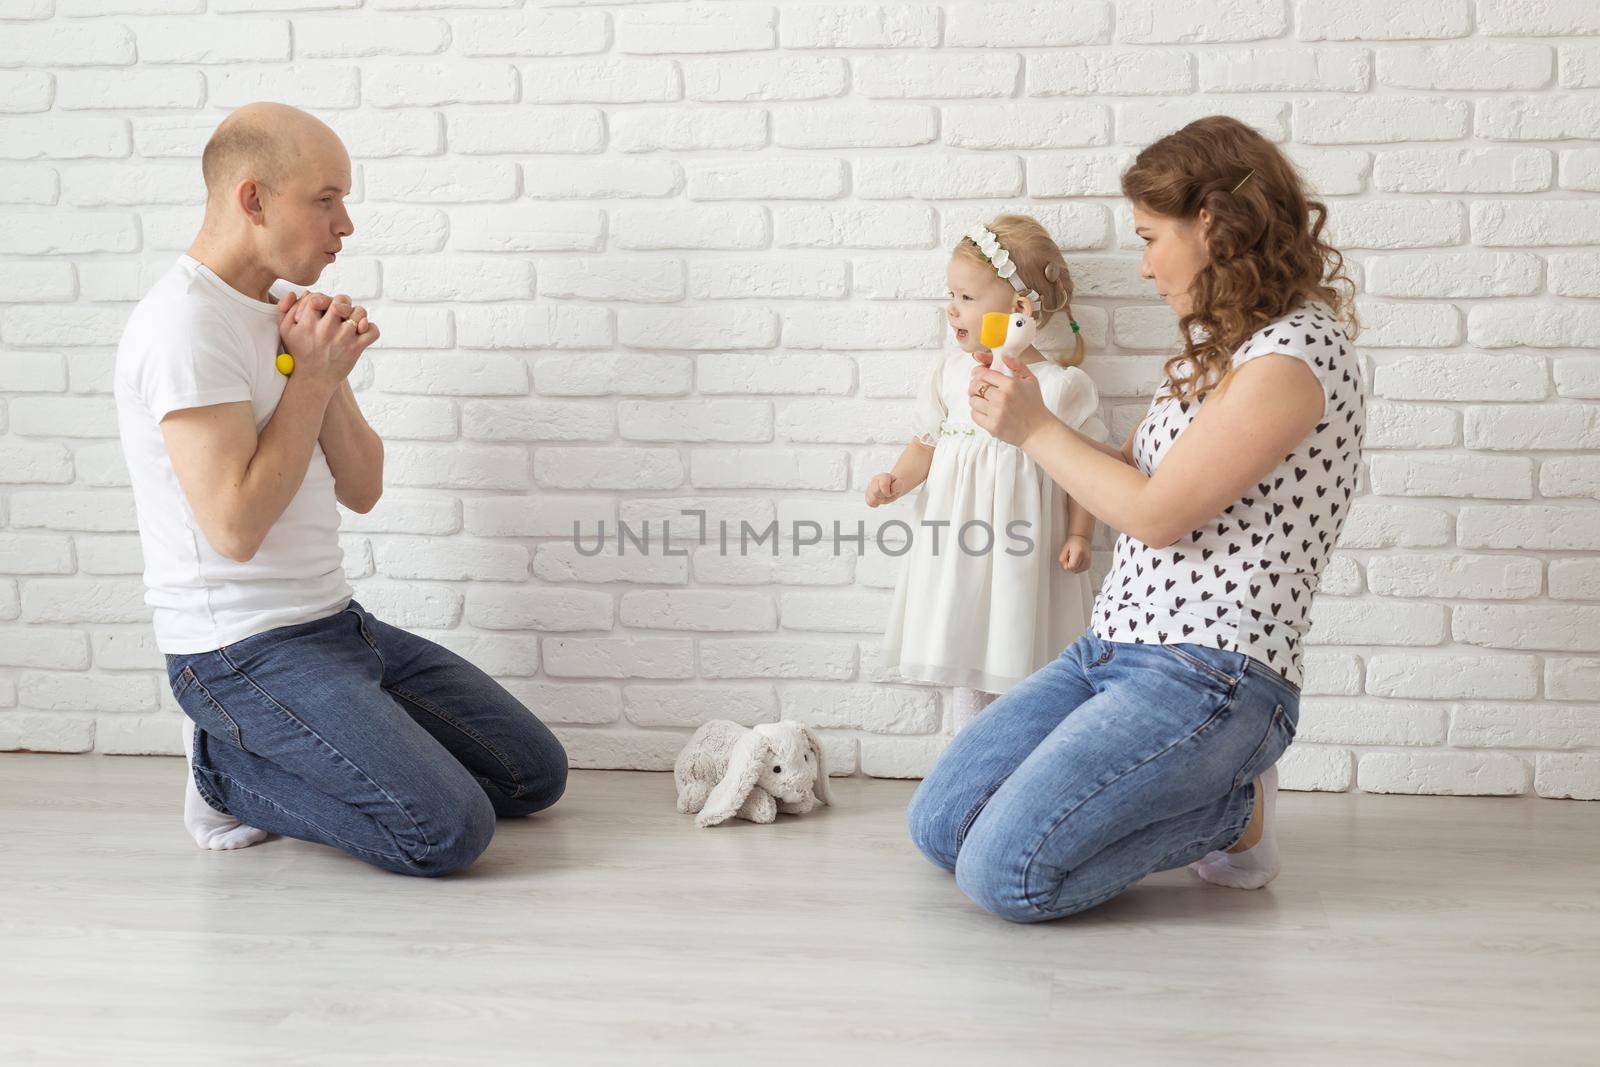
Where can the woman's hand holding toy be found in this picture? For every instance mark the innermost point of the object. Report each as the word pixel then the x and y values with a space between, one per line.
pixel 1011 407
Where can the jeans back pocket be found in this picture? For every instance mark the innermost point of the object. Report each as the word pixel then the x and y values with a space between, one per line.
pixel 206 711
pixel 1277 737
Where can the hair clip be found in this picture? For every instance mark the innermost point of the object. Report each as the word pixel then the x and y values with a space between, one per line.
pixel 1246 178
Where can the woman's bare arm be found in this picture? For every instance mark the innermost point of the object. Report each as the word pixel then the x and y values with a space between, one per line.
pixel 1240 435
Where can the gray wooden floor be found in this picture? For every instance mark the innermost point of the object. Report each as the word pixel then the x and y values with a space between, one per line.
pixel 610 930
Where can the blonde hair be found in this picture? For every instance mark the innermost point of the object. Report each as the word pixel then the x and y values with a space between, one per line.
pixel 1040 265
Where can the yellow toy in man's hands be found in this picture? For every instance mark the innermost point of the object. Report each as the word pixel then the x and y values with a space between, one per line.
pixel 285 364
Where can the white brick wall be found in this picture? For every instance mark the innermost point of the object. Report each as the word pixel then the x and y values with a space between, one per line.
pixel 637 258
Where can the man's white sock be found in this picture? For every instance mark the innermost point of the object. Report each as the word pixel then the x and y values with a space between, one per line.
pixel 210 828
pixel 1256 865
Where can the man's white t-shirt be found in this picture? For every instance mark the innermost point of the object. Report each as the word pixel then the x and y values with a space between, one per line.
pixel 192 342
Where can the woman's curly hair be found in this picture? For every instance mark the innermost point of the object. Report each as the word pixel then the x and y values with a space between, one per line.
pixel 1267 251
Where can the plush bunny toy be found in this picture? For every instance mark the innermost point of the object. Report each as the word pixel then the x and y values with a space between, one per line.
pixel 727 770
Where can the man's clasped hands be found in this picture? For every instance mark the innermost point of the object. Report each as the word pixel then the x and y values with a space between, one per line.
pixel 325 334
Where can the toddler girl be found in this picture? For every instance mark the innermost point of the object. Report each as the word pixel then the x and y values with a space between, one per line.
pixel 993 586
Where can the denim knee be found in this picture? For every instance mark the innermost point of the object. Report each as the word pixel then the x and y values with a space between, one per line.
pixel 461 836
pixel 930 832
pixel 538 795
pixel 993 875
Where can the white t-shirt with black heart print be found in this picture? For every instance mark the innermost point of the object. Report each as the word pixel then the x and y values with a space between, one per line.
pixel 1244 580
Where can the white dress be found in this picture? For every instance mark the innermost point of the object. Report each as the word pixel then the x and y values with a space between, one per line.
pixel 980 619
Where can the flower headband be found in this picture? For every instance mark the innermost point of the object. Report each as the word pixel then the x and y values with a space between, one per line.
pixel 991 249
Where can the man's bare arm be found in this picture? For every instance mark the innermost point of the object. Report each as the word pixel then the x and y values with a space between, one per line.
pixel 238 484
pixel 354 451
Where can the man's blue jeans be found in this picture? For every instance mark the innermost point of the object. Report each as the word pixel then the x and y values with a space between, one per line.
pixel 352 733
pixel 1113 762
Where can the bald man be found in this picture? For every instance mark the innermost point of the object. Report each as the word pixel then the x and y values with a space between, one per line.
pixel 315 719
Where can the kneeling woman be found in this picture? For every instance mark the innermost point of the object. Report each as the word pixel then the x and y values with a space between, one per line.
pixel 1150 743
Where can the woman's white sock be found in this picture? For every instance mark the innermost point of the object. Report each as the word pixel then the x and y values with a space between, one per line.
pixel 1256 865
pixel 210 828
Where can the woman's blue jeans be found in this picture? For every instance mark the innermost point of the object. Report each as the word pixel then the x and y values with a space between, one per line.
pixel 1113 762
pixel 353 733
